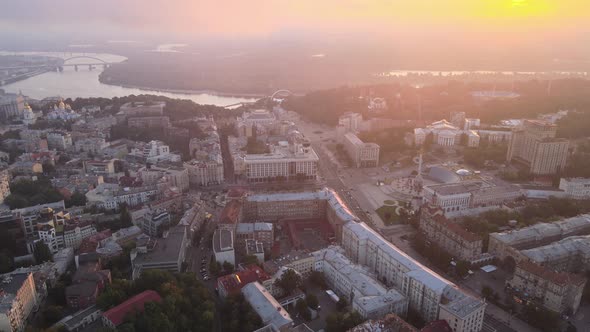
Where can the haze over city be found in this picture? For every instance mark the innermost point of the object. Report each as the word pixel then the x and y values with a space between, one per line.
pixel 295 166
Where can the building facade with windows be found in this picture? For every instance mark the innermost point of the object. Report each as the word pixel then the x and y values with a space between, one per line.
pixel 362 154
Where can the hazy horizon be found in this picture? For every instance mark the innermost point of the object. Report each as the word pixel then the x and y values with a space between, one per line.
pixel 545 27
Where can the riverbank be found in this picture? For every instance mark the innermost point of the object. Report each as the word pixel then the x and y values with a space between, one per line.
pixel 188 92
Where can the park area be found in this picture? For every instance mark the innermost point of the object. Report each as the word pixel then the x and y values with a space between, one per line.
pixel 389 214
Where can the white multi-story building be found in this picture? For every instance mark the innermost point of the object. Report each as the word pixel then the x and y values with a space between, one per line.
pixel 432 296
pixel 360 288
pixel 109 195
pixel 350 121
pixel 223 246
pixel 175 176
pixel 205 173
pixel 445 134
pixel 575 188
pixel 154 152
pixel 73 234
pixel 295 161
pixel 508 244
pixel 17 300
pixel 93 145
pixel 467 197
pixel 57 140
pixel 362 154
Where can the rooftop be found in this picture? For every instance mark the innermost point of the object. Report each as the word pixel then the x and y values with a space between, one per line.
pixel 223 240
pixel 540 231
pixel 136 303
pixel 166 249
pixel 560 278
pixel 266 306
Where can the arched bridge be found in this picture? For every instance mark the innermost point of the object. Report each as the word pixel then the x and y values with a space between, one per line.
pixel 67 62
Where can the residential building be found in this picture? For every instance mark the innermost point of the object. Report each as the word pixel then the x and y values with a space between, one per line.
pixel 74 233
pixel 557 291
pixel 451 237
pixel 389 323
pixel 262 232
pixel 81 319
pixel 444 134
pixel 509 243
pixel 149 122
pixel 534 145
pixel 59 140
pixel 154 152
pixel 205 172
pixel 139 109
pixel 286 161
pixel 471 196
pixel 175 176
pixel 361 289
pixel 87 284
pixel 223 246
pixel 110 196
pixel 571 254
pixel 351 122
pixel 31 215
pixel 231 284
pixel 18 299
pixel 12 226
pixel 166 253
pixel 266 306
pixel 155 222
pixel 25 168
pixel 430 295
pixel 254 248
pixel 362 154
pixel 11 105
pixel 575 188
pixel 99 167
pixel 92 145
pixel 136 304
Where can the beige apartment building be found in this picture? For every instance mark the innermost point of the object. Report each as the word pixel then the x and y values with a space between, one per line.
pixel 451 237
pixel 535 145
pixel 362 154
pixel 557 291
pixel 17 300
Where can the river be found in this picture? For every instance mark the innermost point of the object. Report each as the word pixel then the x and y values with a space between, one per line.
pixel 84 83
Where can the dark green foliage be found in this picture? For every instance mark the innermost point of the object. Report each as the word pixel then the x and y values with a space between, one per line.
pixel 238 315
pixel 27 193
pixel 6 262
pixel 303 309
pixel 312 301
pixel 289 281
pixel 228 267
pixel 341 322
pixel 42 253
pixel 51 315
pixel 77 199
pixel 317 279
pixel 125 216
pixel 187 305
pixel 476 157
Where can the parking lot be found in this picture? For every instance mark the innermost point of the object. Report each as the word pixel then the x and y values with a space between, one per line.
pixel 327 306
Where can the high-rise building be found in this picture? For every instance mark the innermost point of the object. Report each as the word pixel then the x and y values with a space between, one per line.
pixel 534 145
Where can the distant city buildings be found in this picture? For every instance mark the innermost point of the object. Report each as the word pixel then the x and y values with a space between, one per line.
pixel 206 168
pixel 154 152
pixel 11 105
pixel 534 145
pixel 63 112
pixel 575 188
pixel 443 133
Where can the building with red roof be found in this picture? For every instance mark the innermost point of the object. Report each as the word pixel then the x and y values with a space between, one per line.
pixel 116 316
pixel 232 283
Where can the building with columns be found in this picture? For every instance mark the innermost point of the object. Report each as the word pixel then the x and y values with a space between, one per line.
pixel 445 134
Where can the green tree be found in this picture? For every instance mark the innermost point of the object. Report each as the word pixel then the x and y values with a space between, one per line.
pixel 52 314
pixel 250 259
pixel 125 216
pixel 6 262
pixel 312 301
pixel 42 253
pixel 289 281
pixel 487 292
pixel 317 279
pixel 77 199
pixel 228 267
pixel 303 309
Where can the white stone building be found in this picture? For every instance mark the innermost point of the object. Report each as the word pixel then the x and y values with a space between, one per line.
pixel 362 154
pixel 445 134
pixel 575 188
